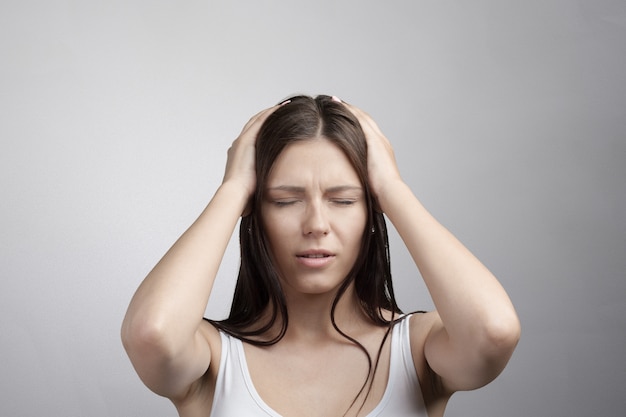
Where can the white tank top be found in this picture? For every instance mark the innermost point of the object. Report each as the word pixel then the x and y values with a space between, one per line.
pixel 235 395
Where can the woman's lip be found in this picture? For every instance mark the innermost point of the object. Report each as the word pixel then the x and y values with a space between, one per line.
pixel 315 259
pixel 314 253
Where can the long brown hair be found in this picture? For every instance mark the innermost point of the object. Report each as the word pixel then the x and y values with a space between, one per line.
pixel 258 289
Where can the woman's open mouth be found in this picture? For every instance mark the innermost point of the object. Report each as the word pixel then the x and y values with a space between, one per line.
pixel 315 259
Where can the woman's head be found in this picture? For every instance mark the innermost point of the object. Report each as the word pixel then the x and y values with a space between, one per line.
pixel 313 215
pixel 258 286
pixel 306 118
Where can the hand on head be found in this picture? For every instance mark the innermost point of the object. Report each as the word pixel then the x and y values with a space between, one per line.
pixel 381 161
pixel 240 163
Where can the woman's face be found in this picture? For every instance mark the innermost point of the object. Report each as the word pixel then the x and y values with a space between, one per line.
pixel 314 212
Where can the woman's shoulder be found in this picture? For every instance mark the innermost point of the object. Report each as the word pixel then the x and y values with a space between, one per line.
pixel 212 336
pixel 422 321
pixel 197 394
pixel 420 327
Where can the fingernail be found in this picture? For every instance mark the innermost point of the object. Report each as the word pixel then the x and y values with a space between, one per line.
pixel 285 102
pixel 337 99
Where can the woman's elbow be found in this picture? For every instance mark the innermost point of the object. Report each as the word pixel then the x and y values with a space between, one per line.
pixel 501 335
pixel 142 338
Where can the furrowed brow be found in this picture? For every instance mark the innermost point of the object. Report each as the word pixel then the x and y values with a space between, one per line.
pixel 341 188
pixel 301 190
pixel 288 188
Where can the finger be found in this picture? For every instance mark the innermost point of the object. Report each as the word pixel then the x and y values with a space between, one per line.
pixel 366 121
pixel 260 117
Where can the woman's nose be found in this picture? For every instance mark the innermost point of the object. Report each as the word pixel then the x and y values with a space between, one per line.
pixel 316 220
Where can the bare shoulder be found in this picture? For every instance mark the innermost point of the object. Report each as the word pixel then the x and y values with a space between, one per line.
pixel 421 326
pixel 213 338
pixel 199 397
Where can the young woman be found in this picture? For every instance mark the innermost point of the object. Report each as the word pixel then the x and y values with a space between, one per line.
pixel 314 329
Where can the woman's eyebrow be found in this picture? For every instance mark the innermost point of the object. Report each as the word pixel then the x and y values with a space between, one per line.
pixel 300 190
pixel 288 188
pixel 341 188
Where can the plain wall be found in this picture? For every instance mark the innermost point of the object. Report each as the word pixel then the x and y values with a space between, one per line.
pixel 508 120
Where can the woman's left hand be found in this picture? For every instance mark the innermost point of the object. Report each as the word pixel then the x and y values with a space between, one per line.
pixel 381 162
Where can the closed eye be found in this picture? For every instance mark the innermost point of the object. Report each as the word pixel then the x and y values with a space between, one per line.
pixel 284 203
pixel 343 202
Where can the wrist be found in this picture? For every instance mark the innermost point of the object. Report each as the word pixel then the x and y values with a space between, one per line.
pixel 234 194
pixel 393 193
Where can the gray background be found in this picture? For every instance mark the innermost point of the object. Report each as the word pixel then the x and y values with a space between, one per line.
pixel 508 120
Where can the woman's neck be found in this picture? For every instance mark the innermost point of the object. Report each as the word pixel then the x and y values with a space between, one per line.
pixel 310 316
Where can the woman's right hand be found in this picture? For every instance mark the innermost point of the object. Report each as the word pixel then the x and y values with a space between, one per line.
pixel 169 344
pixel 240 166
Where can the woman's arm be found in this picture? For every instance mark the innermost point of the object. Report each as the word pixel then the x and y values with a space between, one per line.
pixel 163 331
pixel 477 328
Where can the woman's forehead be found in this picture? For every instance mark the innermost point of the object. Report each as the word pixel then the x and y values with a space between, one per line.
pixel 312 160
